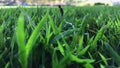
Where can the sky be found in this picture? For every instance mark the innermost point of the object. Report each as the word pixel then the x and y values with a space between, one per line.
pixel 92 2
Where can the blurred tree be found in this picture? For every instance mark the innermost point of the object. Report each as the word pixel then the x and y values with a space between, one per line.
pixel 99 3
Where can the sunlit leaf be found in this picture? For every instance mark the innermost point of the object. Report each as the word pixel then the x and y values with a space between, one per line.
pixel 20 35
pixel 76 59
pixel 34 34
pixel 88 65
pixel 61 48
pixel 104 59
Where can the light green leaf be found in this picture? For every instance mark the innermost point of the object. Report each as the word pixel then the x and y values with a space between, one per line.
pixel 35 35
pixel 83 51
pixel 76 59
pixel 20 35
pixel 97 37
pixel 88 65
pixel 101 66
pixel 103 58
pixel 55 30
pixel 80 44
pixel 61 48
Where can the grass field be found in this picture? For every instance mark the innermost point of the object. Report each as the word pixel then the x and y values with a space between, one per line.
pixel 39 37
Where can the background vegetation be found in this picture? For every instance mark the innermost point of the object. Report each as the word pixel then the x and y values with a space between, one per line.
pixel 84 37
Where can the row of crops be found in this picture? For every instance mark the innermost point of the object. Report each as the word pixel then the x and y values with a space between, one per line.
pixel 84 37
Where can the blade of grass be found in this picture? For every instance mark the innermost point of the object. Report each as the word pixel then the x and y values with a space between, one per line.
pixel 76 59
pixel 3 54
pixel 61 48
pixel 54 59
pixel 63 34
pixel 83 51
pixel 88 65
pixel 48 34
pixel 101 66
pixel 53 25
pixel 104 59
pixel 34 34
pixel 12 48
pixel 80 44
pixel 113 54
pixel 7 65
pixel 83 24
pixel 20 33
pixel 21 41
pixel 97 37
pixel 91 57
pixel 1 38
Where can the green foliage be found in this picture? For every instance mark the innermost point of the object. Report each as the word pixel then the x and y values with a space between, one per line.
pixel 85 37
pixel 20 35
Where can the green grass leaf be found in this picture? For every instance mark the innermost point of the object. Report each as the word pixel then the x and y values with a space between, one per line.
pixel 48 34
pixel 63 34
pixel 101 66
pixel 113 53
pixel 83 51
pixel 55 30
pixel 54 59
pixel 7 65
pixel 80 44
pixel 97 37
pixel 61 48
pixel 88 65
pixel 35 35
pixel 20 35
pixel 1 38
pixel 103 58
pixel 76 59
